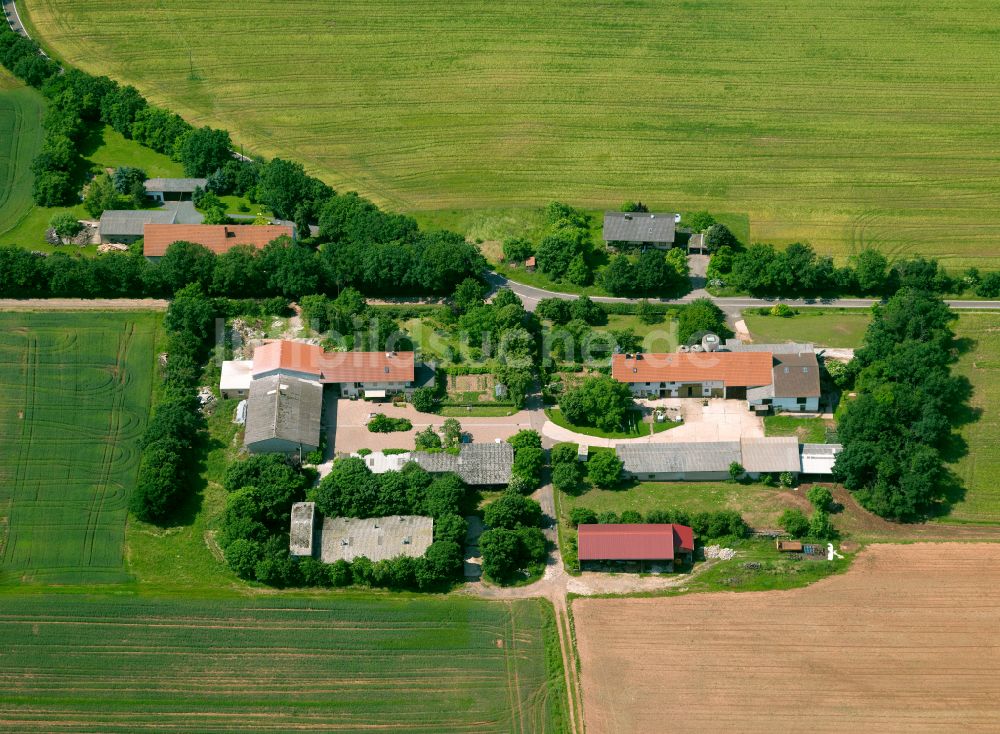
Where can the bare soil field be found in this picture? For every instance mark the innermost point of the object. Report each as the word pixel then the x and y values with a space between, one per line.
pixel 906 640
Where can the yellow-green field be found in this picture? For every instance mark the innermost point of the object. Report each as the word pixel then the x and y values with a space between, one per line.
pixel 847 124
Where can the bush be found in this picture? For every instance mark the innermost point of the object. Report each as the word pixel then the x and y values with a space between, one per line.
pixel 598 401
pixel 787 479
pixel 525 439
pixel 65 225
pixel 794 522
pixel 820 497
pixel 782 310
pixel 604 469
pixel 513 511
pixel 736 471
pixel 528 463
pixel 427 439
pixel 608 518
pixel 564 453
pixel 582 516
pixel 820 526
pixel 520 485
pixel 631 517
pixel 382 423
pixel 423 399
pixel 565 476
pixel 242 557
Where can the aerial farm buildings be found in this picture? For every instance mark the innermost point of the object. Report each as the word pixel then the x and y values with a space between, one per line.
pixel 284 384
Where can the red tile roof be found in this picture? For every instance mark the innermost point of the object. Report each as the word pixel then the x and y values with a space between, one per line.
pixel 218 238
pixel 333 366
pixel 640 542
pixel 735 369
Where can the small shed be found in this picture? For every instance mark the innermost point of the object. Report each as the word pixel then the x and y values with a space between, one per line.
pixel 529 264
pixel 789 546
pixel 173 189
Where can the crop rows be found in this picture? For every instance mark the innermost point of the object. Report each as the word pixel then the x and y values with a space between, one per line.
pixel 845 124
pixel 20 140
pixel 74 398
pixel 421 665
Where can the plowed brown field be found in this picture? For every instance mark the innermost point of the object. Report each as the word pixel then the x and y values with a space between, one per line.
pixel 908 640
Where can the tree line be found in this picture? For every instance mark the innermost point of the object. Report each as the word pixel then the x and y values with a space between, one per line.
pixel 764 270
pixel 897 430
pixel 434 263
pixel 169 467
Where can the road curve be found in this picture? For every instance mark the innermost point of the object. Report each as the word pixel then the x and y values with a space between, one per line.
pixel 531 295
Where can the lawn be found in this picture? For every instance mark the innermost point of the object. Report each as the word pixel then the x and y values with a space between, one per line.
pixel 836 137
pixel 103 148
pixel 340 663
pixel 979 469
pixel 634 427
pixel 186 554
pixel 75 392
pixel 21 134
pixel 759 505
pixel 824 327
pixel 807 430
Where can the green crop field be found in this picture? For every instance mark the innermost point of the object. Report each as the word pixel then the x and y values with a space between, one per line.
pixel 860 122
pixel 74 397
pixel 99 664
pixel 21 110
pixel 979 469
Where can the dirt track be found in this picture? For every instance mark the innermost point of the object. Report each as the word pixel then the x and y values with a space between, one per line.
pixel 906 640
pixel 83 304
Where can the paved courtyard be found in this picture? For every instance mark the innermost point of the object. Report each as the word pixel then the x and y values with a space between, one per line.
pixel 720 420
pixel 352 431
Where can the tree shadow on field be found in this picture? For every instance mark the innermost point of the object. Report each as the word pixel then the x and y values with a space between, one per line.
pixel 189 507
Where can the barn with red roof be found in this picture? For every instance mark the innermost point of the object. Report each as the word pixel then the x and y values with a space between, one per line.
pixel 661 544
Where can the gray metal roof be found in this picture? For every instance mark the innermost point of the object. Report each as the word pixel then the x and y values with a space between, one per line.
pixel 175 185
pixel 477 464
pixel 129 222
pixel 300 536
pixel 375 538
pixel 735 345
pixel 796 375
pixel 774 454
pixel 285 408
pixel 658 458
pixel 638 227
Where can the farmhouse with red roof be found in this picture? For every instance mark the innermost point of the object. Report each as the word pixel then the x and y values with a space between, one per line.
pixel 768 376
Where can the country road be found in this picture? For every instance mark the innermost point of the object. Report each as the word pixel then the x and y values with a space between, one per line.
pixel 532 295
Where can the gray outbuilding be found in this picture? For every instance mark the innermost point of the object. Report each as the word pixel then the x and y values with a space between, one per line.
pixel 124 226
pixel 701 461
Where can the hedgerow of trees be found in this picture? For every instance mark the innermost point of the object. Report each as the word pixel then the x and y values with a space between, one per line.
pixel 764 270
pixel 168 467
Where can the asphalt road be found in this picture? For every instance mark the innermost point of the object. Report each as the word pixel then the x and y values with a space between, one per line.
pixel 531 295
